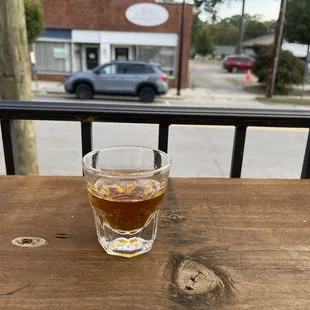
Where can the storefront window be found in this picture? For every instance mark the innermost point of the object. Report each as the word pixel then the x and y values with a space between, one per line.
pixel 53 57
pixel 164 56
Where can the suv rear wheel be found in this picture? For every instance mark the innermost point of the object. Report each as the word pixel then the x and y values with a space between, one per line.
pixel 84 91
pixel 147 94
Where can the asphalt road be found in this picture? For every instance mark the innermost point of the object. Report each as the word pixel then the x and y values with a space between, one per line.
pixel 196 151
pixel 214 78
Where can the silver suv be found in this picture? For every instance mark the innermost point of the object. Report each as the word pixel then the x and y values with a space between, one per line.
pixel 132 78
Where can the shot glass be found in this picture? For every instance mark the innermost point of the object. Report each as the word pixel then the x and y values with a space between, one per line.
pixel 126 187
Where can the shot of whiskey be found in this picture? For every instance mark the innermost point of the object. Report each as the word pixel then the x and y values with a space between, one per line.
pixel 126 197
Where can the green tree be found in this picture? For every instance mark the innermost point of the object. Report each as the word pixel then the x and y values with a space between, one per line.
pixel 197 25
pixel 297 27
pixel 208 5
pixel 224 33
pixel 34 19
pixel 254 28
pixel 204 42
pixel 290 72
pixel 271 25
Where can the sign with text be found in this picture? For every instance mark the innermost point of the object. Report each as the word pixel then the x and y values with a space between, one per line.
pixel 60 53
pixel 147 14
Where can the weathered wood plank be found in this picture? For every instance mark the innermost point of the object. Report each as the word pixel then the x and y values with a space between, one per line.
pixel 243 244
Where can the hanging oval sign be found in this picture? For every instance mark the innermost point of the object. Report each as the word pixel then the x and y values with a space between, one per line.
pixel 147 14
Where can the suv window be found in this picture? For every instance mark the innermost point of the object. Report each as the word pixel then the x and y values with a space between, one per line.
pixel 137 69
pixel 108 69
pixel 246 59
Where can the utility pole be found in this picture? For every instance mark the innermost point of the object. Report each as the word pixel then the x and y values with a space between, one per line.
pixel 241 29
pixel 15 79
pixel 276 50
pixel 181 50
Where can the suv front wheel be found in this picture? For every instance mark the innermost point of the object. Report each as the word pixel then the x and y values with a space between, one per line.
pixel 147 94
pixel 84 91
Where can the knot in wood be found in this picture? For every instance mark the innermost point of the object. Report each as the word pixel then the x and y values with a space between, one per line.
pixel 195 279
pixel 174 217
pixel 29 242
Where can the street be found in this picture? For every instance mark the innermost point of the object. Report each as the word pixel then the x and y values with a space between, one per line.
pixel 213 78
pixel 196 151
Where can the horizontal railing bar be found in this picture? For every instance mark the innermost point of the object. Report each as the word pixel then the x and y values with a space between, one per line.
pixel 153 114
pixel 238 152
pixel 163 137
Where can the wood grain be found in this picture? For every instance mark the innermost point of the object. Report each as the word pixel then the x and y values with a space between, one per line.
pixel 235 244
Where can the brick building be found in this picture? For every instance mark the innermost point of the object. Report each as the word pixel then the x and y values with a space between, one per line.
pixel 82 34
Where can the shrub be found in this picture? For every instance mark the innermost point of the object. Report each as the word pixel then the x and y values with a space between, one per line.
pixel 34 19
pixel 290 70
pixel 204 43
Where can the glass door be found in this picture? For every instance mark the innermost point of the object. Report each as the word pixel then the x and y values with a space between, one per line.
pixel 121 53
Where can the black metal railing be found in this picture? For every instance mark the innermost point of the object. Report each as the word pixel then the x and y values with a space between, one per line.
pixel 164 116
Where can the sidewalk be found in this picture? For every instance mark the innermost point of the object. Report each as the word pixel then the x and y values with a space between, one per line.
pixel 54 88
pixel 47 87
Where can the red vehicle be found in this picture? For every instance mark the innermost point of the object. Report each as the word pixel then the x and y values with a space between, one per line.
pixel 238 63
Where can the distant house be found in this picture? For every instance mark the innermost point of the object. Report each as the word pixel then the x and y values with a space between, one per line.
pixel 255 45
pixel 298 50
pixel 262 41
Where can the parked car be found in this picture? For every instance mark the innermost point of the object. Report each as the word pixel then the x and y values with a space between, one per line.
pixel 129 78
pixel 238 63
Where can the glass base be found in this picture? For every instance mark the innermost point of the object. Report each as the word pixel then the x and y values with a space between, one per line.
pixel 126 244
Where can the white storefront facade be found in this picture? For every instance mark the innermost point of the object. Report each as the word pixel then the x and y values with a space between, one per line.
pixel 109 31
pixel 64 51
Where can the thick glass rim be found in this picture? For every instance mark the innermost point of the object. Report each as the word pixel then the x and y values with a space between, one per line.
pixel 133 175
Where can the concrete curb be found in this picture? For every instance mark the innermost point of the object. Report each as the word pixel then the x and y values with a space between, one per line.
pixel 168 97
pixel 51 92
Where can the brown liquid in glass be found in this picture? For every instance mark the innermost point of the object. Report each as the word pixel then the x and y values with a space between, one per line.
pixel 128 205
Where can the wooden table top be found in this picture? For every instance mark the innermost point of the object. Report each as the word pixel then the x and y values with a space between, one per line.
pixel 221 244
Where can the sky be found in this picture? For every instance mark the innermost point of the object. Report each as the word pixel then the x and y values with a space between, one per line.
pixel 268 9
